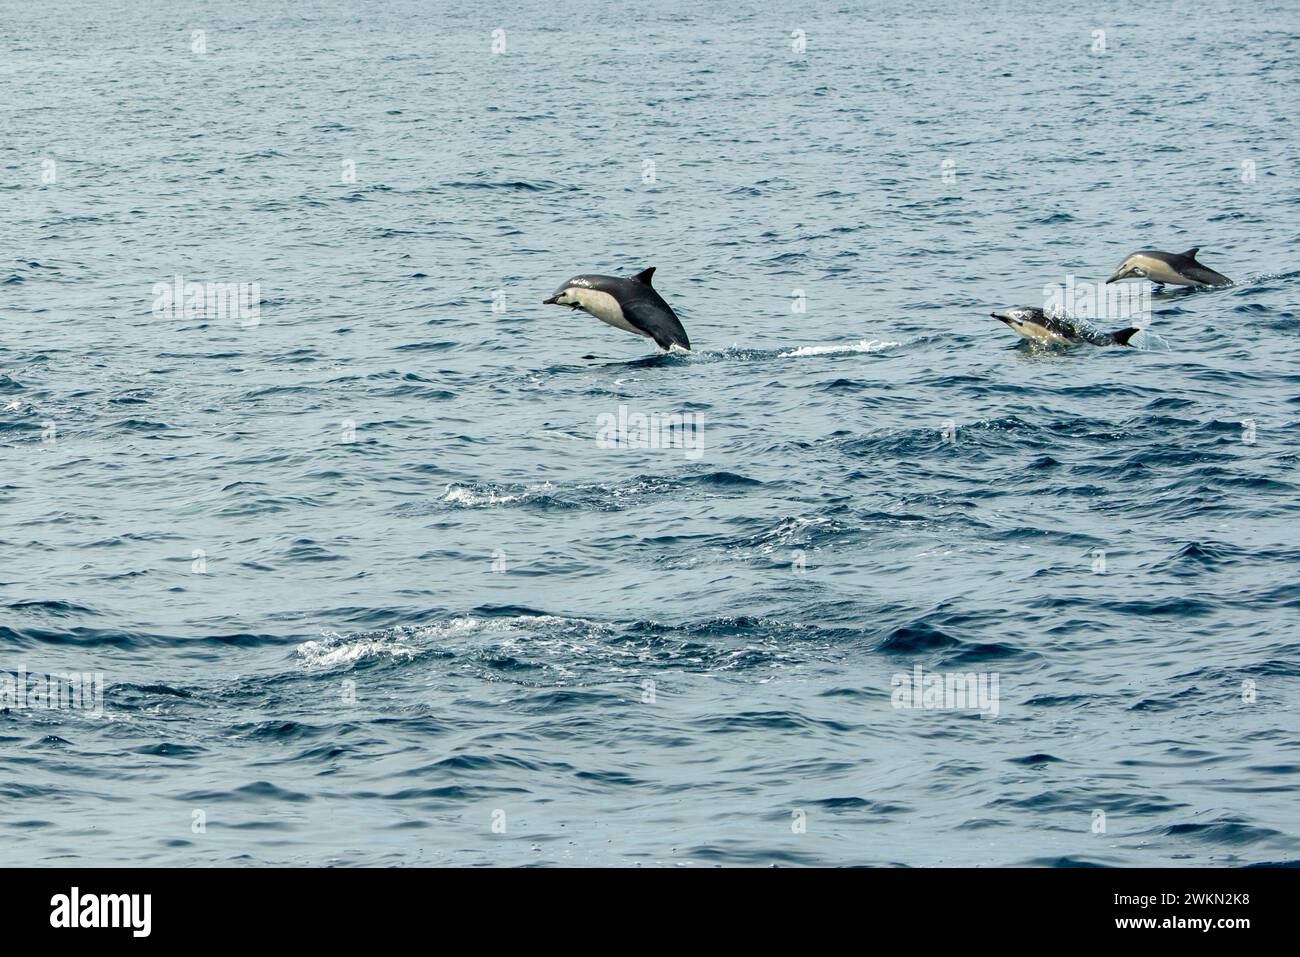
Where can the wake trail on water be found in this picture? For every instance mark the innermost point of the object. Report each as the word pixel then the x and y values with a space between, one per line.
pixel 736 353
pixel 1246 282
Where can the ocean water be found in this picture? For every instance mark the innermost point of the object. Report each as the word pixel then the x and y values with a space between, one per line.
pixel 363 588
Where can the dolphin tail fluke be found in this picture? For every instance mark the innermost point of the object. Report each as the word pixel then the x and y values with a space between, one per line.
pixel 1124 335
pixel 1204 273
pixel 665 340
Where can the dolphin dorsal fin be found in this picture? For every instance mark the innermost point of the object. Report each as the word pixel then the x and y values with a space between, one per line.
pixel 1191 253
pixel 644 275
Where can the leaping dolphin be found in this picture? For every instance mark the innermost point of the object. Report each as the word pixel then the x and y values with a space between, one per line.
pixel 1176 269
pixel 1059 330
pixel 628 304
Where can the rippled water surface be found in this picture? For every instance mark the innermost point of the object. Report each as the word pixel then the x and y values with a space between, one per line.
pixel 363 587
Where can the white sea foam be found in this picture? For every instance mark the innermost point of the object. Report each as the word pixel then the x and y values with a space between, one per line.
pixel 333 650
pixel 407 641
pixel 866 345
pixel 460 495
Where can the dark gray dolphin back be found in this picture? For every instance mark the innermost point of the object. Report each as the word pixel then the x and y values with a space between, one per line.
pixel 1080 330
pixel 643 307
pixel 1076 330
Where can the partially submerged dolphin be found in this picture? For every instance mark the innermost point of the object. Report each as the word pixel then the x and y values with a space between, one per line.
pixel 628 304
pixel 1059 330
pixel 1176 269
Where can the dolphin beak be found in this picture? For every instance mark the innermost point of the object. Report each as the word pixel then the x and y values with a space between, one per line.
pixel 1001 318
pixel 1116 278
pixel 551 301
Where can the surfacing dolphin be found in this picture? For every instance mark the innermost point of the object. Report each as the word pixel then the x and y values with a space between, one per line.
pixel 1175 269
pixel 1039 326
pixel 628 304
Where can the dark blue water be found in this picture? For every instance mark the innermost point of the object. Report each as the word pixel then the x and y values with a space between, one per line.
pixel 363 588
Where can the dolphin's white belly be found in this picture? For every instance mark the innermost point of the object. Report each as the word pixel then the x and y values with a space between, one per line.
pixel 1158 270
pixel 1032 330
pixel 605 308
